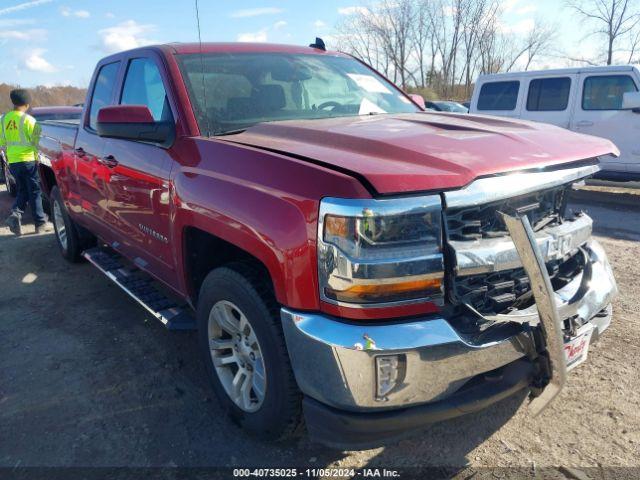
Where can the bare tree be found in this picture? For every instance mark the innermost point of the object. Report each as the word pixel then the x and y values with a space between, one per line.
pixel 581 60
pixel 353 37
pixel 440 41
pixel 494 49
pixel 391 21
pixel 459 10
pixel 380 34
pixel 634 46
pixel 421 35
pixel 479 13
pixel 440 44
pixel 613 19
pixel 537 42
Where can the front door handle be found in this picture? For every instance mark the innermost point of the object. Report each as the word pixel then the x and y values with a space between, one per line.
pixel 109 161
pixel 585 123
pixel 80 152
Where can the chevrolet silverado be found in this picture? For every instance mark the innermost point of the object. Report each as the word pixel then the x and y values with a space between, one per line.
pixel 347 258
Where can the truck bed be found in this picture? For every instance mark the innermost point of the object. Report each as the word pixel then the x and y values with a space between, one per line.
pixel 61 132
pixel 56 137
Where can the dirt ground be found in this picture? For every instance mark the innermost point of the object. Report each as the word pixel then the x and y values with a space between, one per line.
pixel 87 378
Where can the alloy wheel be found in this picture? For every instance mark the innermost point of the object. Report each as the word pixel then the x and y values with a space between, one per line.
pixel 237 356
pixel 58 221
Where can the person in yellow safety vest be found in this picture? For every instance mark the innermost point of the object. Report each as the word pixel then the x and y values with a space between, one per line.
pixel 19 135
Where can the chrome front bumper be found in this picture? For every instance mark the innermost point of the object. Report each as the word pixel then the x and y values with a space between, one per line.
pixel 334 361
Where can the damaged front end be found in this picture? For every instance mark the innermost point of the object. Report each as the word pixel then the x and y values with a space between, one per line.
pixel 526 288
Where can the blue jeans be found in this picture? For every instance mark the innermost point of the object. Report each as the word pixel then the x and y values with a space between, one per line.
pixel 29 191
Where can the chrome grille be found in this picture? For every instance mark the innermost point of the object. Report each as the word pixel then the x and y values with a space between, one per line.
pixel 499 291
pixel 543 208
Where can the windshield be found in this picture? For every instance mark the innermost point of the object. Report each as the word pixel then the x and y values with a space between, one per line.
pixel 243 89
pixel 452 107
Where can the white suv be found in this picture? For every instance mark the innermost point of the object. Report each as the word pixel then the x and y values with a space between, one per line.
pixel 601 101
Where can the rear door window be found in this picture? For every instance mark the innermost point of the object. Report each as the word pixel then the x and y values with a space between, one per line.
pixel 605 92
pixel 548 94
pixel 499 95
pixel 102 91
pixel 143 86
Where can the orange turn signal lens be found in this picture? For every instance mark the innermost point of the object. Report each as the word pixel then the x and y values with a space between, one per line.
pixel 386 288
pixel 386 292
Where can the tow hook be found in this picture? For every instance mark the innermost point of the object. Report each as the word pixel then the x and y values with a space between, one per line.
pixel 551 370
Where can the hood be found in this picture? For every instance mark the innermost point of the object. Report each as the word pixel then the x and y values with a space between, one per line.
pixel 424 151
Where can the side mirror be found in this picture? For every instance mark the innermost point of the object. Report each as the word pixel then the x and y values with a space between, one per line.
pixel 631 101
pixel 132 122
pixel 418 99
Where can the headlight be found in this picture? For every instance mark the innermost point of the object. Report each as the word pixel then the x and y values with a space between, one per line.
pixel 373 252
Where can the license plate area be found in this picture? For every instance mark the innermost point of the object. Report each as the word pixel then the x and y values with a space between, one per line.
pixel 576 348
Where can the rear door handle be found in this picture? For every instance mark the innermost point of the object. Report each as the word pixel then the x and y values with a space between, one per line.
pixel 109 161
pixel 585 123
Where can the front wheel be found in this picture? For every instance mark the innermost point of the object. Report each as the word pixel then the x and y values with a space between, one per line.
pixel 244 349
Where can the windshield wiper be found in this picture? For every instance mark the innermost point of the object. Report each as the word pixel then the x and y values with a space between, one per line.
pixel 230 132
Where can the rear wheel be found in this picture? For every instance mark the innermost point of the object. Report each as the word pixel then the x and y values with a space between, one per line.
pixel 69 241
pixel 244 349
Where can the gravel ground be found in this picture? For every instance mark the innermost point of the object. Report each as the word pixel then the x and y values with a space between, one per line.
pixel 88 379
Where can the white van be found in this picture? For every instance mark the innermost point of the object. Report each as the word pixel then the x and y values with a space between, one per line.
pixel 601 101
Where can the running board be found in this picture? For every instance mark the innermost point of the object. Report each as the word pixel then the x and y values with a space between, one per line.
pixel 140 286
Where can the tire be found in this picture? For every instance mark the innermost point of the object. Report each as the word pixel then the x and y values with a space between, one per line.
pixel 46 204
pixel 67 232
pixel 278 414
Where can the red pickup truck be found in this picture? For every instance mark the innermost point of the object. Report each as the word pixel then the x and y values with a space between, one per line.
pixel 346 257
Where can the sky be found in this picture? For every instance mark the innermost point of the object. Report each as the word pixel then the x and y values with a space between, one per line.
pixel 58 42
